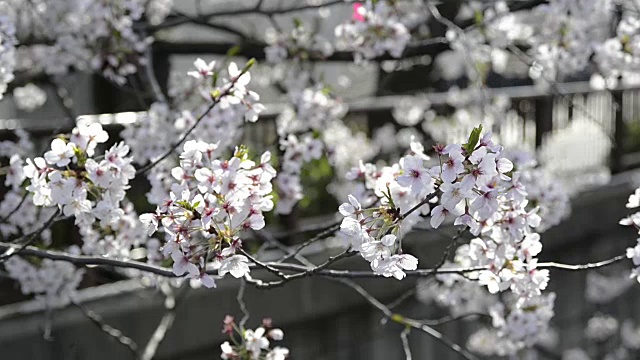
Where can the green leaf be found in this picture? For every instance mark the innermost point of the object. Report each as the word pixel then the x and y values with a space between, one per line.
pixel 297 22
pixel 474 138
pixel 478 17
pixel 233 51
pixel 248 65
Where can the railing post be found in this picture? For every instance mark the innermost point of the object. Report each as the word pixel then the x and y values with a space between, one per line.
pixel 543 117
pixel 617 147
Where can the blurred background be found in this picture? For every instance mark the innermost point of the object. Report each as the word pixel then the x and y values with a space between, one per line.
pixel 586 140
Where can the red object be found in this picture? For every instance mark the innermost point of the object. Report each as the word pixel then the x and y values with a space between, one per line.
pixel 358 12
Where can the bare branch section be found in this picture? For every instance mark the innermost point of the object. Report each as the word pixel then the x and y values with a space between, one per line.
pixel 108 329
pixel 171 303
pixel 408 322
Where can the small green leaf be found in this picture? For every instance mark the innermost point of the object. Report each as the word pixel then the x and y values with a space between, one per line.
pixel 249 64
pixel 474 138
pixel 297 22
pixel 397 318
pixel 233 51
pixel 478 17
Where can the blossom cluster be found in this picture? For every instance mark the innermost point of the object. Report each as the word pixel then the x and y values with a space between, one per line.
pixel 544 192
pixel 29 97
pixel 563 42
pixel 81 35
pixel 210 203
pixel 69 177
pixel 252 344
pixel 17 209
pixel 376 231
pixel 618 58
pixel 52 282
pixel 375 28
pixel 312 110
pixel 477 189
pixel 299 44
pixel 7 52
pixel 221 99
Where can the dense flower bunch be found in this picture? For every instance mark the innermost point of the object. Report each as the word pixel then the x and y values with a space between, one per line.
pixel 156 123
pixel 376 231
pixel 543 190
pixel 27 217
pixel 562 44
pixel 478 189
pixel 7 52
pixel 81 185
pixel 210 203
pixel 514 329
pixel 456 293
pixel 299 44
pixel 84 35
pixel 374 29
pixel 117 238
pixel 312 110
pixel 252 344
pixel 52 282
pixel 618 58
pixel 232 104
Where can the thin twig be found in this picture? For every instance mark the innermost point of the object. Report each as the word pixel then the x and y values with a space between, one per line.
pixel 271 240
pixel 404 336
pixel 109 330
pixel 449 318
pixel 171 302
pixel 408 322
pixel 15 250
pixel 253 10
pixel 326 233
pixel 15 209
pixel 404 296
pixel 242 304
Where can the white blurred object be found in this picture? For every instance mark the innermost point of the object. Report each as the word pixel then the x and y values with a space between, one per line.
pixel 578 155
pixel 29 97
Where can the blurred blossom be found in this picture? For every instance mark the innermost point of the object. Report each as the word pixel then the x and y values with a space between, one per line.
pixel 29 97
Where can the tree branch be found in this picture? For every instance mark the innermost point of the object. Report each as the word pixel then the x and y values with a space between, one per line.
pixel 408 322
pixel 171 303
pixel 321 270
pixel 176 21
pixel 109 330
